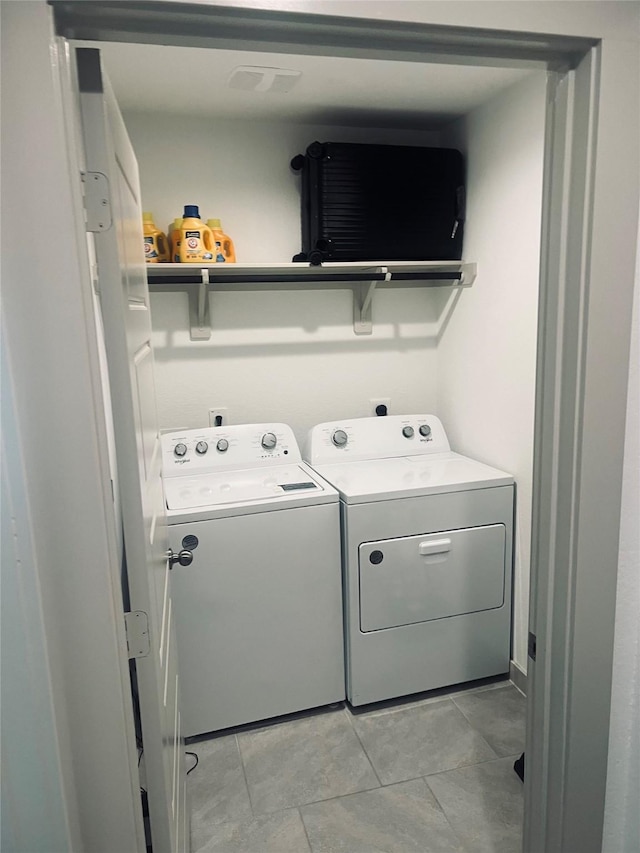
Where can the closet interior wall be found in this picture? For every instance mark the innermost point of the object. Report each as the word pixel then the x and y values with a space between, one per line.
pixel 275 356
pixel 467 355
pixel 487 354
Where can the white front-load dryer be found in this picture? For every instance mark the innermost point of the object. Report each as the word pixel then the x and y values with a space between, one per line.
pixel 258 612
pixel 427 544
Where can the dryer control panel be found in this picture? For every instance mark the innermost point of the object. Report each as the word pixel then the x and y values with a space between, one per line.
pixel 360 439
pixel 210 449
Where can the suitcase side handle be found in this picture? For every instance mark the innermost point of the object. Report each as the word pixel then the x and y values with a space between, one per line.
pixel 460 205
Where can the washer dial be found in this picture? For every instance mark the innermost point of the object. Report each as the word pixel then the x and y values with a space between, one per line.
pixel 269 441
pixel 202 447
pixel 180 450
pixel 222 445
pixel 425 430
pixel 340 438
pixel 407 431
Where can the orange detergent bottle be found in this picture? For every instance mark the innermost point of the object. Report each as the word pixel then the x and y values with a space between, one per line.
pixel 156 246
pixel 225 251
pixel 174 239
pixel 196 240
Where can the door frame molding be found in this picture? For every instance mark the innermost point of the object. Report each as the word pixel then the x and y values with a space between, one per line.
pixel 217 26
pixel 590 211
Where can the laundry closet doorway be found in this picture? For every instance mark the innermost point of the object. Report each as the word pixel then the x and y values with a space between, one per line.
pixel 563 388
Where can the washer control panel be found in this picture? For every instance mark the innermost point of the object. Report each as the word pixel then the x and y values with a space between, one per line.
pixel 201 451
pixel 360 439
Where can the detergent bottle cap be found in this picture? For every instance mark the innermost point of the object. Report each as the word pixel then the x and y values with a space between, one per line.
pixel 214 223
pixel 191 210
pixel 147 216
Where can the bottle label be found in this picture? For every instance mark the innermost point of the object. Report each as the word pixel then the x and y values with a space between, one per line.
pixel 194 248
pixel 220 258
pixel 149 248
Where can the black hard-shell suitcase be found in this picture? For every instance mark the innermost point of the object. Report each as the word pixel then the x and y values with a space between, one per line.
pixel 380 202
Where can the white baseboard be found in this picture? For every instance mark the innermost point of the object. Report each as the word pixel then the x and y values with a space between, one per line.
pixel 518 676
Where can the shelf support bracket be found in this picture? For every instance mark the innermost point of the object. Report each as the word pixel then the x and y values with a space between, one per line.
pixel 199 319
pixel 362 299
pixel 469 272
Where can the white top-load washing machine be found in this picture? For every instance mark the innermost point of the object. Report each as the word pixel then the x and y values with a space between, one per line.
pixel 427 555
pixel 258 613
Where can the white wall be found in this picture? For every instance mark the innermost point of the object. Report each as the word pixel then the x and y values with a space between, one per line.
pixel 33 803
pixel 290 357
pixel 487 355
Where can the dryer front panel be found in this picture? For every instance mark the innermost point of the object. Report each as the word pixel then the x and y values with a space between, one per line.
pixel 404 656
pixel 421 578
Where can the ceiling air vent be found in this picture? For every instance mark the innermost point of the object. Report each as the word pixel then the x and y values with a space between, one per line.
pixel 253 78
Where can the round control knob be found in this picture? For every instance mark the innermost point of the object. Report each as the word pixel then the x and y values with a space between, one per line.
pixel 184 558
pixel 180 450
pixel 407 432
pixel 425 430
pixel 269 441
pixel 202 447
pixel 339 438
pixel 222 445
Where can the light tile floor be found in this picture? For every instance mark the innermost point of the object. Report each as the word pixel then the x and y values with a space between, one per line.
pixel 434 775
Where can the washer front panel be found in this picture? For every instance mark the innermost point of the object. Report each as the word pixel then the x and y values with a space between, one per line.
pixel 258 616
pixel 431 576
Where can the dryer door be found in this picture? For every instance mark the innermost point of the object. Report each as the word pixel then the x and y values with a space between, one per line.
pixel 435 576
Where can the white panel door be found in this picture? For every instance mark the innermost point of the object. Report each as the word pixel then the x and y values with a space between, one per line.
pixel 124 302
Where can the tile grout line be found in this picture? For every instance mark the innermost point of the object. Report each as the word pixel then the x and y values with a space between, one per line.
pixel 494 757
pixel 441 773
pixel 364 749
pixel 404 706
pixel 244 776
pixel 341 796
pixel 410 703
pixel 473 764
pixel 325 800
pixel 477 731
pixel 304 826
pixel 491 689
pixel 456 834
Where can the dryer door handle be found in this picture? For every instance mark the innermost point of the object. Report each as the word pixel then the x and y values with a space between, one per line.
pixel 435 546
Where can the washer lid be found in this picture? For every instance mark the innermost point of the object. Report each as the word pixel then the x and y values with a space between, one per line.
pixel 412 476
pixel 246 490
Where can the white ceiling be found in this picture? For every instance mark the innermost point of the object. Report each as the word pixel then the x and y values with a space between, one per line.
pixel 341 91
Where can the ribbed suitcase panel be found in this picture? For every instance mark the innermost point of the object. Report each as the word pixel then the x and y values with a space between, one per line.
pixel 383 202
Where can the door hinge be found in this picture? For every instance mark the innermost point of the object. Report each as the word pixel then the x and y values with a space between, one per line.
pixel 97 201
pixel 531 646
pixel 136 624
